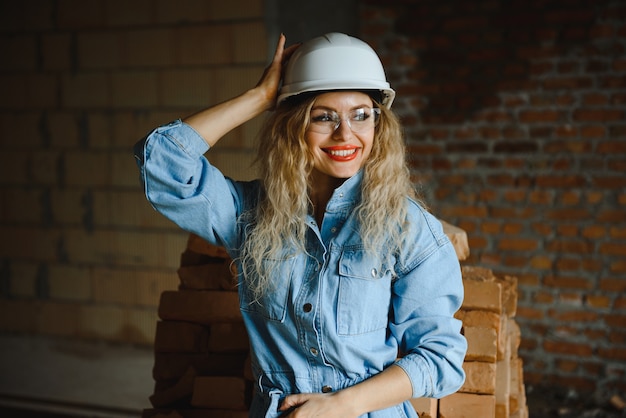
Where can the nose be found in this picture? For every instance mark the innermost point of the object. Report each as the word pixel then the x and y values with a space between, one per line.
pixel 343 131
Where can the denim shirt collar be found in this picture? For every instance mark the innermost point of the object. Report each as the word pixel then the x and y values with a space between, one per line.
pixel 348 194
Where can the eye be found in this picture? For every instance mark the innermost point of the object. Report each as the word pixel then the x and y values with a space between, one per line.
pixel 360 115
pixel 324 117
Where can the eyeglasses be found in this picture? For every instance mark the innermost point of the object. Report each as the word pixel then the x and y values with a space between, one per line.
pixel 325 121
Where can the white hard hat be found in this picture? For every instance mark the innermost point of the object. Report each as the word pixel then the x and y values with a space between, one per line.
pixel 335 61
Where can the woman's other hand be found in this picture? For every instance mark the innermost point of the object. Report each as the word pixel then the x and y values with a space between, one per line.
pixel 308 405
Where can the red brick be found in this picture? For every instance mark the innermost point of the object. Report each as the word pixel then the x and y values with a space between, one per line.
pixel 567 230
pixel 573 146
pixel 483 295
pixel 620 303
pixel 609 182
pixel 176 336
pixel 553 181
pixel 597 334
pixel 596 98
pixel 611 82
pixel 210 276
pixel 539 116
pixel 424 149
pixel 503 388
pixel 479 319
pixel 171 366
pixel 425 407
pixel 517 244
pixel 489 227
pixel 228 337
pixel 202 307
pixel 618 232
pixel 594 231
pixel 200 246
pixel 565 83
pixel 598 115
pixel 466 405
pixel 528 279
pixel 220 393
pixel 568 264
pixel 566 131
pixel 480 377
pixel 543 297
pixel 541 262
pixel 542 197
pixel 617 337
pixel 613 248
pixel 592 265
pixel 192 413
pixel 615 320
pixel 593 132
pixel 564 347
pixel 601 31
pixel 570 316
pixel 611 216
pixel 530 313
pixel 579 16
pixel 181 390
pixel 613 284
pixel 482 344
pixel 569 246
pixel 564 282
pixel 567 366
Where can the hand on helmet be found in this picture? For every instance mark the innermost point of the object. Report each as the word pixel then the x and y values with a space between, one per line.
pixel 273 74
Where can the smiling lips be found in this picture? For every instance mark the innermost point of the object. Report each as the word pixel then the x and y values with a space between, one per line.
pixel 342 153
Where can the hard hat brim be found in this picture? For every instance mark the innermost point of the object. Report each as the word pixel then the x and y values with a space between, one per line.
pixel 388 94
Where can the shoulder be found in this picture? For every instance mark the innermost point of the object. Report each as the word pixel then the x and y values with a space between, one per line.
pixel 423 235
pixel 426 222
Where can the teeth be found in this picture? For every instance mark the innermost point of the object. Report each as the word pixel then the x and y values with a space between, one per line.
pixel 342 153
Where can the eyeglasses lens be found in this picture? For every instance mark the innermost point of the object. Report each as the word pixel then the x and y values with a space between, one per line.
pixel 359 120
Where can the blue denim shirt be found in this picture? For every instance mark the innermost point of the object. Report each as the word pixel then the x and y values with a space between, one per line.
pixel 338 315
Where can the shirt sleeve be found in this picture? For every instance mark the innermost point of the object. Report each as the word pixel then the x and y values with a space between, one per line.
pixel 181 184
pixel 425 297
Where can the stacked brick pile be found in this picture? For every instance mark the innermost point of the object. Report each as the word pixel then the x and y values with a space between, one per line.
pixel 494 385
pixel 201 346
pixel 201 366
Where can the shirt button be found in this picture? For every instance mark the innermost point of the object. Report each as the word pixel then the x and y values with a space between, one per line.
pixel 313 351
pixel 333 229
pixel 327 389
pixel 307 307
pixel 374 272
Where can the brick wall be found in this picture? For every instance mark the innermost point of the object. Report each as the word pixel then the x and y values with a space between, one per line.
pixel 515 114
pixel 82 253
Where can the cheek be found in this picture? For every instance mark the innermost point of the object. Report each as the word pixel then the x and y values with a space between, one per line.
pixel 368 146
pixel 312 141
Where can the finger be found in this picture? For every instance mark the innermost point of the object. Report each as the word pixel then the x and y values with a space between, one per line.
pixel 291 401
pixel 280 48
pixel 290 50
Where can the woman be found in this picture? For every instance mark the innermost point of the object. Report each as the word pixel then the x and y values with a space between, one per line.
pixel 342 270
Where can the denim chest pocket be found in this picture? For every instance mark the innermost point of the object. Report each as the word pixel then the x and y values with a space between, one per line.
pixel 272 305
pixel 364 293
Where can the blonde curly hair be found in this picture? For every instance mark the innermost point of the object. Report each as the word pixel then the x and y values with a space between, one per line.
pixel 278 224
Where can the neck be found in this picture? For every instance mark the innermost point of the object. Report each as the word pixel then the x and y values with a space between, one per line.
pixel 322 188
